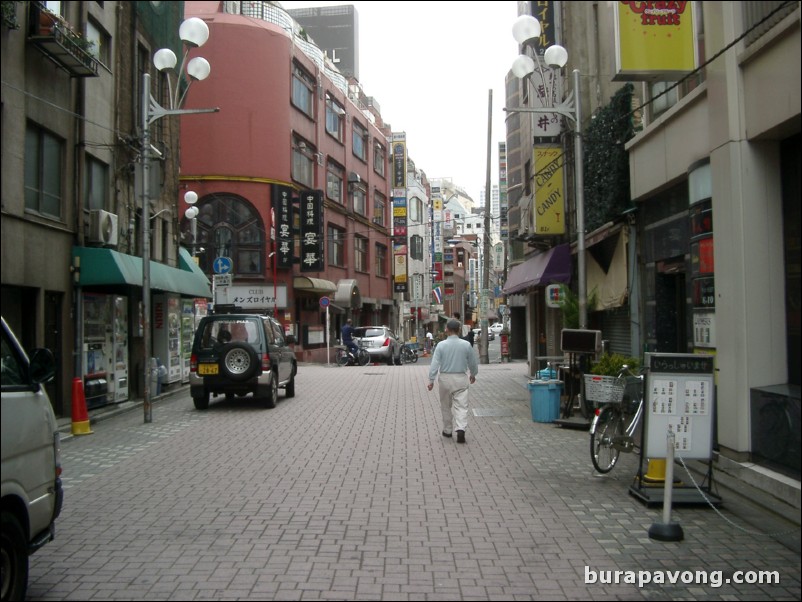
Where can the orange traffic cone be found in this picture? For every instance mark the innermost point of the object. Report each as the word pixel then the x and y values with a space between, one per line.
pixel 80 418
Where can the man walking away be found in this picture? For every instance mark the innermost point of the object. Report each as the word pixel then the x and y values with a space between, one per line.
pixel 453 359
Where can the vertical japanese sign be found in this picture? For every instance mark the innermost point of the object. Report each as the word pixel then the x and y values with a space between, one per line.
pixel 311 231
pixel 549 204
pixel 437 233
pixel 281 199
pixel 399 195
pixel 544 12
pixel 655 38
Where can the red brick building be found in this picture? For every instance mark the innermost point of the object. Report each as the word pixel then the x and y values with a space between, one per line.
pixel 289 125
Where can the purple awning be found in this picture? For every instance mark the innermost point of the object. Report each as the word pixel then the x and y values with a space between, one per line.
pixel 544 268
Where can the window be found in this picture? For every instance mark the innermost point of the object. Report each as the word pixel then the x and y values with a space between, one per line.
pixel 228 226
pixel 303 162
pixel 414 207
pixel 335 118
pixel 360 141
pixel 334 182
pixel 360 254
pixel 96 185
pixel 662 100
pixel 416 247
pixel 379 158
pixel 303 87
pixel 379 209
pixel 43 165
pixel 101 42
pixel 381 260
pixel 359 195
pixel 336 246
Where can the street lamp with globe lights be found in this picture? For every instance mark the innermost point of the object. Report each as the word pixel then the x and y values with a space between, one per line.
pixel 194 33
pixel 190 198
pixel 526 29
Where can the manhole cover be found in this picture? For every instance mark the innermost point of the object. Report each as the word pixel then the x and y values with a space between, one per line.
pixel 492 412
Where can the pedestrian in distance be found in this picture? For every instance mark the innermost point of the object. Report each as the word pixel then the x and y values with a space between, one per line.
pixel 429 340
pixel 452 362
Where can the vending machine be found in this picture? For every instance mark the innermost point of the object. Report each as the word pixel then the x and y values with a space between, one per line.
pixel 167 334
pixel 187 332
pixel 97 349
pixel 118 382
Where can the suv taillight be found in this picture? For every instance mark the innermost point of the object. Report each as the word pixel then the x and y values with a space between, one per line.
pixel 193 363
pixel 265 362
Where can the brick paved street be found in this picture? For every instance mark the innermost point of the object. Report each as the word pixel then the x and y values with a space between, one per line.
pixel 349 492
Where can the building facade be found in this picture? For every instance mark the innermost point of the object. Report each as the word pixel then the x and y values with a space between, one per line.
pixel 293 178
pixel 71 215
pixel 701 253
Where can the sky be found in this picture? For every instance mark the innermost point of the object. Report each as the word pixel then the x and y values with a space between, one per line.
pixel 430 66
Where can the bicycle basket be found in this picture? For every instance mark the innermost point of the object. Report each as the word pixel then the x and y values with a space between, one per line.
pixel 604 389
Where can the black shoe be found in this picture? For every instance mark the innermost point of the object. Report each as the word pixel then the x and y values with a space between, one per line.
pixel 460 436
pixel 445 434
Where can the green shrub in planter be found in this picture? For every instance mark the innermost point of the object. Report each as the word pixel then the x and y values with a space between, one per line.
pixel 610 364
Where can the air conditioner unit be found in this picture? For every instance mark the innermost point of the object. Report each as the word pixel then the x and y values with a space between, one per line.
pixel 103 228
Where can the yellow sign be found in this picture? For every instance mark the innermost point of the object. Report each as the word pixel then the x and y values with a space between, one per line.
pixel 655 39
pixel 549 205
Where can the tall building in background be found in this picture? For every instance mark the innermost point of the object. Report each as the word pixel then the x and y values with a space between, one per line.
pixel 335 30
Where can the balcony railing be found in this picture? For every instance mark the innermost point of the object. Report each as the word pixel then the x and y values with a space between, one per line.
pixel 60 43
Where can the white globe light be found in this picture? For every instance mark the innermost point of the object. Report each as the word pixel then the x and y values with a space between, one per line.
pixel 555 56
pixel 525 28
pixel 191 197
pixel 164 59
pixel 194 32
pixel 191 213
pixel 199 68
pixel 523 66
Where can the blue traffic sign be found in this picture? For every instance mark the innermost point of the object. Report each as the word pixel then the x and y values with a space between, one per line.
pixel 324 302
pixel 222 265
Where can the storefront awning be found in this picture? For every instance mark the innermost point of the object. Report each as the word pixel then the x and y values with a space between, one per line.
pixel 348 294
pixel 544 268
pixel 607 270
pixel 313 285
pixel 107 267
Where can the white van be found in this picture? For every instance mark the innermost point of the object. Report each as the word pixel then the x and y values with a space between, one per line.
pixel 32 494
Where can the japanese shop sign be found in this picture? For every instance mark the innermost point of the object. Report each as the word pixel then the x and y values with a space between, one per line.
pixel 311 231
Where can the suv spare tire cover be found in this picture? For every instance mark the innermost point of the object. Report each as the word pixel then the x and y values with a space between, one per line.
pixel 238 361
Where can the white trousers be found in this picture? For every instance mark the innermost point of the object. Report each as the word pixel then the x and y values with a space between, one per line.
pixel 453 389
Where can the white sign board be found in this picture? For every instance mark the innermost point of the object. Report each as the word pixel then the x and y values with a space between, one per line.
pixel 679 398
pixel 255 298
pixel 222 279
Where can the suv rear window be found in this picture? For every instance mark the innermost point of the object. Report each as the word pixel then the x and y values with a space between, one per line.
pixel 215 332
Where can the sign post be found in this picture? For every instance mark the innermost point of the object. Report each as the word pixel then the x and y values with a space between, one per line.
pixel 324 302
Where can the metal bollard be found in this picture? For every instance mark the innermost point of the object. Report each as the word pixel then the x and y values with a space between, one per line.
pixel 667 531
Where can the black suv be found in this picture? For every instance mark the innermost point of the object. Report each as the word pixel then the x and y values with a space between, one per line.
pixel 237 354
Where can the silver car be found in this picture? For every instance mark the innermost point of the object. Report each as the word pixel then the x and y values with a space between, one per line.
pixel 380 342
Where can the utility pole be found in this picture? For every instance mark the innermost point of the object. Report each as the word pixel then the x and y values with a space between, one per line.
pixel 484 355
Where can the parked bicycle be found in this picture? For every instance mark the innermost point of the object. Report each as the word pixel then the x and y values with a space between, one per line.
pixel 344 357
pixel 619 401
pixel 409 353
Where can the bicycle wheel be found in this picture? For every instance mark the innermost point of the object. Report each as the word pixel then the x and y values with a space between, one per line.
pixel 602 453
pixel 363 357
pixel 342 357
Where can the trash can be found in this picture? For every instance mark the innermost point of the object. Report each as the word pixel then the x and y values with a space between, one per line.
pixel 544 397
pixel 547 374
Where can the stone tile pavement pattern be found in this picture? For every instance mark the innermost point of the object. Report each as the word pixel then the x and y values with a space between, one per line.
pixel 349 492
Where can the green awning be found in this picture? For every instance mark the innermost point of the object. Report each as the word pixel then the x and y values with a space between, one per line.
pixel 107 267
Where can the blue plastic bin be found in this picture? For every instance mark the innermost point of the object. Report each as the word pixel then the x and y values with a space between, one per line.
pixel 544 397
pixel 547 374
